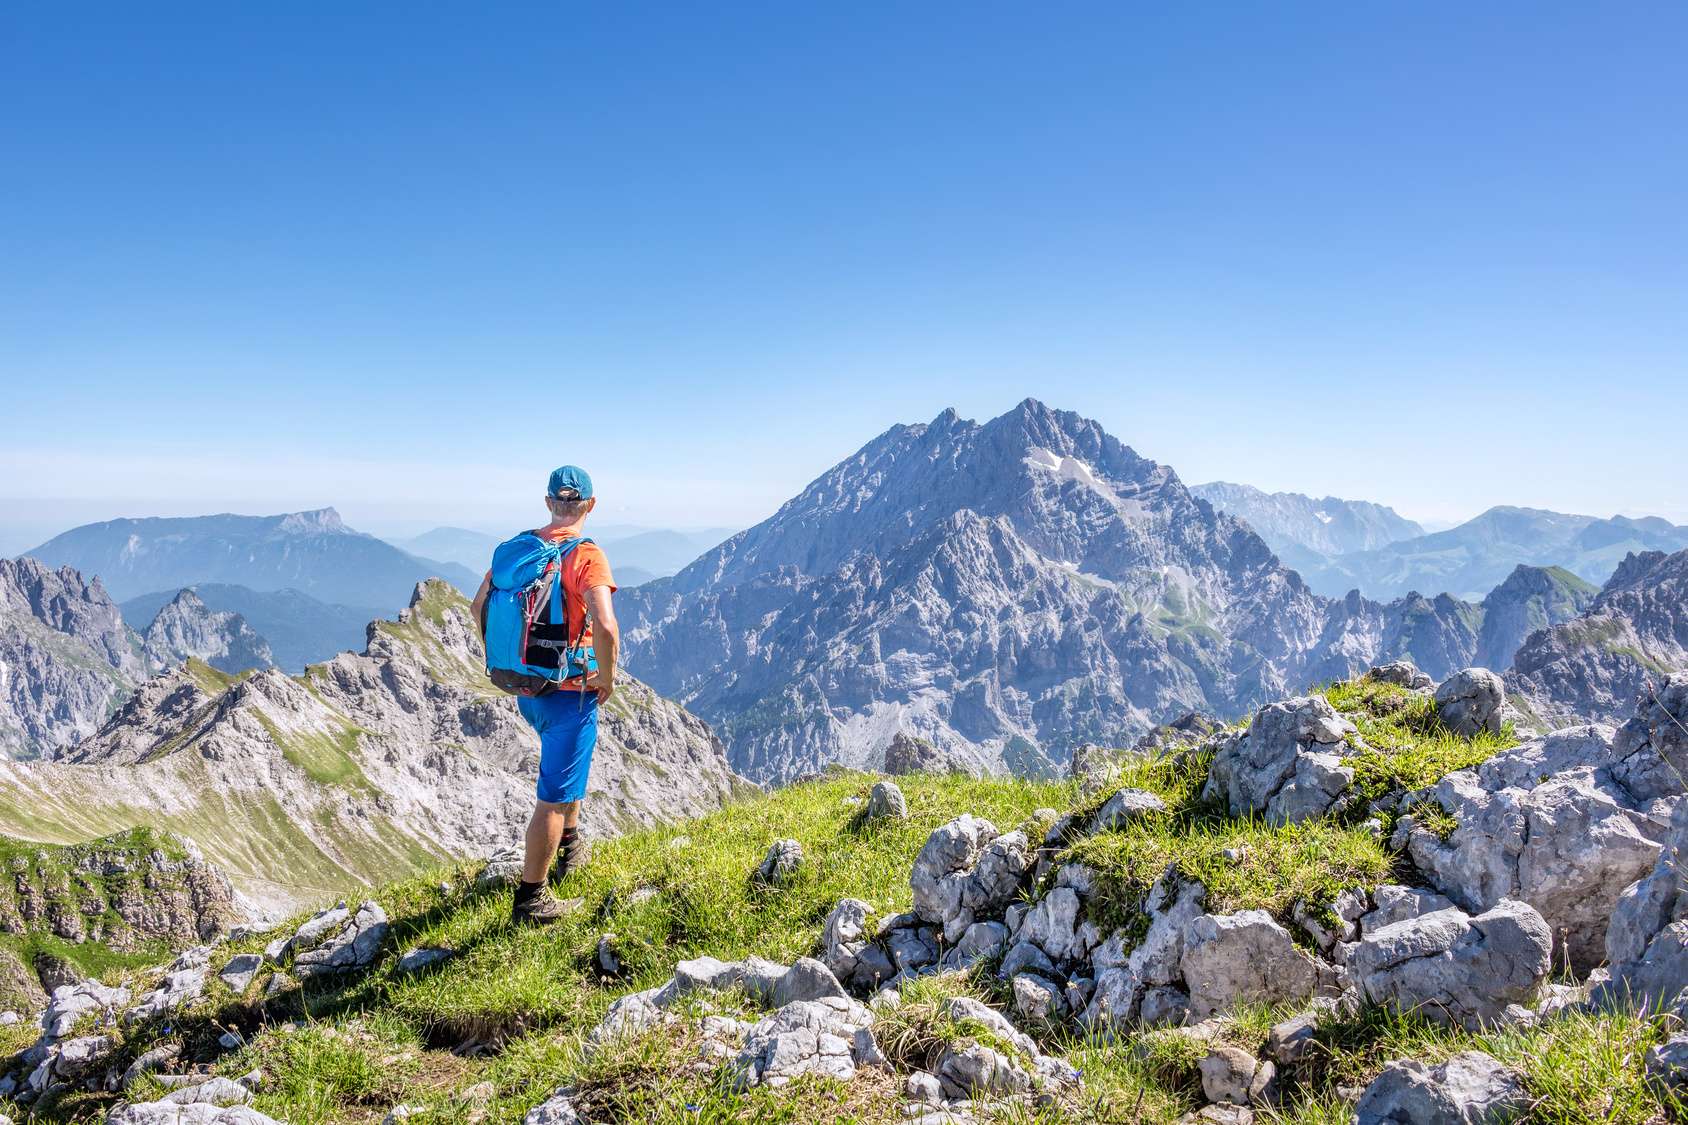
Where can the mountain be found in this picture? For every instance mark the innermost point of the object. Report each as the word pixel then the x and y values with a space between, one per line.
pixel 1006 591
pixel 66 657
pixel 1596 665
pixel 1303 530
pixel 366 767
pixel 1531 598
pixel 300 629
pixel 1479 554
pixel 313 552
pixel 186 627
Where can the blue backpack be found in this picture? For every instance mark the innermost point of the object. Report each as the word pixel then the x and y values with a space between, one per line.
pixel 525 620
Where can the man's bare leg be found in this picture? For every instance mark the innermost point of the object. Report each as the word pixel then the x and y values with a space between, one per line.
pixel 544 835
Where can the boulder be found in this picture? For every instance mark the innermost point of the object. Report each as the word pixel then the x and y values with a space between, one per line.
pixel 339 940
pixel 423 957
pixel 240 970
pixel 966 1008
pixel 504 869
pixel 1052 925
pixel 885 800
pixel 1037 999
pixel 982 940
pixel 971 1070
pixel 780 864
pixel 1402 673
pixel 844 938
pixel 827 1037
pixel 1564 822
pixel 807 979
pixel 966 872
pixel 1454 967
pixel 1288 766
pixel 1667 1065
pixel 1472 701
pixel 1243 958
pixel 72 1004
pixel 1230 1075
pixel 1126 807
pixel 1469 1089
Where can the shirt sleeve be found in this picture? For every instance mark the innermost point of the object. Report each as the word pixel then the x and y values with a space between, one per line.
pixel 595 568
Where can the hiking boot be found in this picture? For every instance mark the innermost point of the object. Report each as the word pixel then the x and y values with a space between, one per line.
pixel 572 855
pixel 540 910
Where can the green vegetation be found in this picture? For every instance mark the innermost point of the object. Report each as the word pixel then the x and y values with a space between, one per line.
pixel 489 1033
pixel 327 759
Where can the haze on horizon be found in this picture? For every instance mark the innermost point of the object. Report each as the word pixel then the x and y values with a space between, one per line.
pixel 403 261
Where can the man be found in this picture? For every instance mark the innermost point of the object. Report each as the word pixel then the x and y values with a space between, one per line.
pixel 566 719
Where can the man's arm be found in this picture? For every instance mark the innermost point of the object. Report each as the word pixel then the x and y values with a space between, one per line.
pixel 606 641
pixel 476 606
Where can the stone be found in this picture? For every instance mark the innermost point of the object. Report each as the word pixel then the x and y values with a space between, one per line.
pixel 1667 1065
pixel 183 983
pixel 923 1088
pixel 633 1013
pixel 71 1004
pixel 148 1062
pixel 558 1109
pixel 1127 807
pixel 1402 673
pixel 1394 903
pixel 844 937
pixel 1227 1074
pixel 1469 1089
pixel 1052 923
pixel 1026 957
pixel 1472 701
pixel 1454 967
pixel 780 864
pixel 339 940
pixel 966 1008
pixel 77 1056
pixel 807 979
pixel 607 959
pixel 1288 766
pixel 1164 1007
pixel 966 872
pixel 424 957
pixel 1243 958
pixel 1564 822
pixel 1037 1000
pixel 806 1037
pixel 885 800
pixel 1219 1115
pixel 982 940
pixel 913 947
pixel 1293 1040
pixel 972 1070
pixel 1124 975
pixel 240 970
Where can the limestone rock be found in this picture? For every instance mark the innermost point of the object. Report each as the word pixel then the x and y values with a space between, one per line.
pixel 1288 766
pixel 1243 958
pixel 1402 673
pixel 1124 975
pixel 1036 999
pixel 781 863
pixel 240 970
pixel 1563 822
pixel 339 940
pixel 885 800
pixel 558 1109
pixel 1469 1089
pixel 1454 967
pixel 1472 701
pixel 806 1037
pixel 1125 807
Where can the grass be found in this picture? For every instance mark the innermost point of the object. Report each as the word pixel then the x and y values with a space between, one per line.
pixel 494 1030
pixel 1407 747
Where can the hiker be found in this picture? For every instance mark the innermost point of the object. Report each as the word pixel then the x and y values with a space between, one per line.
pixel 551 640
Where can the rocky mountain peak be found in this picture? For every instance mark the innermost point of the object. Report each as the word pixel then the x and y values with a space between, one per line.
pixel 322 521
pixel 186 627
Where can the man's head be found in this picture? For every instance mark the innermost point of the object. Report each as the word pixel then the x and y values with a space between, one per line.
pixel 569 494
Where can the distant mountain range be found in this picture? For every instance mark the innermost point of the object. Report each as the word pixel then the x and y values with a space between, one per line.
pixel 1008 591
pixel 636 555
pixel 312 552
pixel 1477 554
pixel 298 628
pixel 1304 531
pixel 1341 545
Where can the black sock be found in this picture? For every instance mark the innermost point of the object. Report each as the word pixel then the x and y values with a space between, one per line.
pixel 525 892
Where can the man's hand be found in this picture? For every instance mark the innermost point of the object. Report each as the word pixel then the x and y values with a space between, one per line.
pixel 602 681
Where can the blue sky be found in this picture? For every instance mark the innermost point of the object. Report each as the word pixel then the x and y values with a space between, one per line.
pixel 404 258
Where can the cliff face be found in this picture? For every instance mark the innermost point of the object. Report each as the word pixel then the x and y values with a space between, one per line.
pixel 66 658
pixel 1599 663
pixel 368 766
pixel 186 627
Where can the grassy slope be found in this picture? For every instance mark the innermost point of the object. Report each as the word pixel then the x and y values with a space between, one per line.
pixel 515 1004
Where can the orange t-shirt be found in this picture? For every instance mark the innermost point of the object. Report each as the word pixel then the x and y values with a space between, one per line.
pixel 584 568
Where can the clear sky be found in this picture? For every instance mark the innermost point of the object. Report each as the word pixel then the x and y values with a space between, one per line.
pixel 404 258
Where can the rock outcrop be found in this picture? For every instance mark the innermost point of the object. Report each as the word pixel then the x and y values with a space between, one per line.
pixel 1469 1089
pixel 185 628
pixel 67 656
pixel 1599 665
pixel 367 767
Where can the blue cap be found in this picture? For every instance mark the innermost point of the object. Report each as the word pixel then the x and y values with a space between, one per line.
pixel 569 483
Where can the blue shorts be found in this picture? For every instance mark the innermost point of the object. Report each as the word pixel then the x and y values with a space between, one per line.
pixel 567 722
